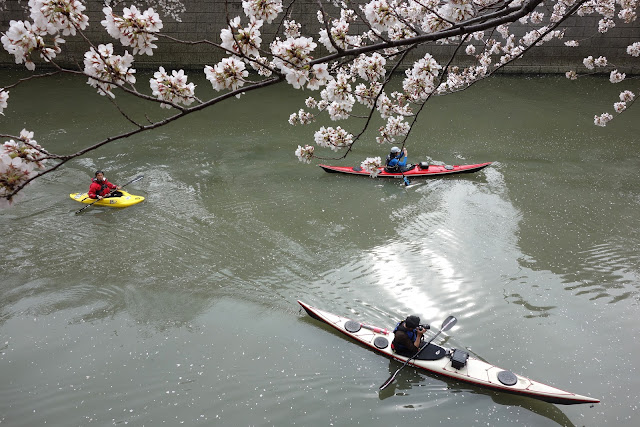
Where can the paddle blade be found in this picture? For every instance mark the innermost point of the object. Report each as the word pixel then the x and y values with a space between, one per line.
pixel 448 323
pixel 389 380
pixel 138 178
pixel 85 207
pixel 406 181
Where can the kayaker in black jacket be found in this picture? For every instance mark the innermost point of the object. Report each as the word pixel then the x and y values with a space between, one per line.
pixel 407 336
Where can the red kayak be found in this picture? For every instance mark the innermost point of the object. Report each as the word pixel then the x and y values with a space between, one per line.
pixel 422 169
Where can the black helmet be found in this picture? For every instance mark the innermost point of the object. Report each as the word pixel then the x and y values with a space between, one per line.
pixel 412 322
pixel 97 172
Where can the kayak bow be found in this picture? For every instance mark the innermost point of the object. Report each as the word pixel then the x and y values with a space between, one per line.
pixel 452 363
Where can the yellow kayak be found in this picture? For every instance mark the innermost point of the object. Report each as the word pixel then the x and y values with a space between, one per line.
pixel 125 201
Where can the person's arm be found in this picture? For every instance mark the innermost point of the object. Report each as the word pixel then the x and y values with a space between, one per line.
pixel 113 186
pixel 92 192
pixel 420 333
pixel 403 339
pixel 403 161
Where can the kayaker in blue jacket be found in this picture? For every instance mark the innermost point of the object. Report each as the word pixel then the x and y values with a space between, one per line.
pixel 396 160
pixel 407 336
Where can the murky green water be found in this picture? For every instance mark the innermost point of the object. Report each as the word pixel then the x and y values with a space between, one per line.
pixel 182 310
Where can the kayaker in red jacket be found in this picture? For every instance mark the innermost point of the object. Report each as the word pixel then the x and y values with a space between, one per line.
pixel 101 188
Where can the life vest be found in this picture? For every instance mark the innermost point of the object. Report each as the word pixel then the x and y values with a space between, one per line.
pixel 394 168
pixel 411 333
pixel 103 186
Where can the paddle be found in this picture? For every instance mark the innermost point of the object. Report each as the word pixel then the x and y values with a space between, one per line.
pixel 405 179
pixel 138 178
pixel 446 325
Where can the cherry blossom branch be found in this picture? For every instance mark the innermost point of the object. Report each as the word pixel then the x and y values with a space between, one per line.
pixel 365 46
pixel 458 30
pixel 64 159
pixel 440 78
pixel 371 110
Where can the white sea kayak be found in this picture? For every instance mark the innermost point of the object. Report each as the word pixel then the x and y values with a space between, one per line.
pixel 453 363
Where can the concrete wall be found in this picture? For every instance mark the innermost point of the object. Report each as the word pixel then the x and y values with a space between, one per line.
pixel 204 19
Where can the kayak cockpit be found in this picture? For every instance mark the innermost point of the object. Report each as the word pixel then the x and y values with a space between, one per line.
pixel 432 352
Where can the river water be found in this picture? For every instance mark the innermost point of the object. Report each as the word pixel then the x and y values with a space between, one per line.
pixel 182 310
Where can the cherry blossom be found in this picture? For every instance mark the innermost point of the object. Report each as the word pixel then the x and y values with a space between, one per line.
pixel 456 10
pixel 301 117
pixel 627 15
pixel 292 29
pixel 602 119
pixel 589 62
pixel 22 39
pixel 370 68
pixel 396 126
pixel 616 77
pixel 292 53
pixel 367 94
pixel 380 15
pixel 59 15
pixel 387 106
pixel 105 66
pixel 605 25
pixel 339 32
pixel 318 77
pixel 600 61
pixel 133 28
pixel 620 106
pixel 266 10
pixel 626 96
pixel 4 97
pixel 634 49
pixel 419 83
pixel 372 165
pixel 172 88
pixel 305 154
pixel 242 41
pixel 571 75
pixel 311 102
pixel 18 163
pixel 333 138
pixel 261 65
pixel 230 74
